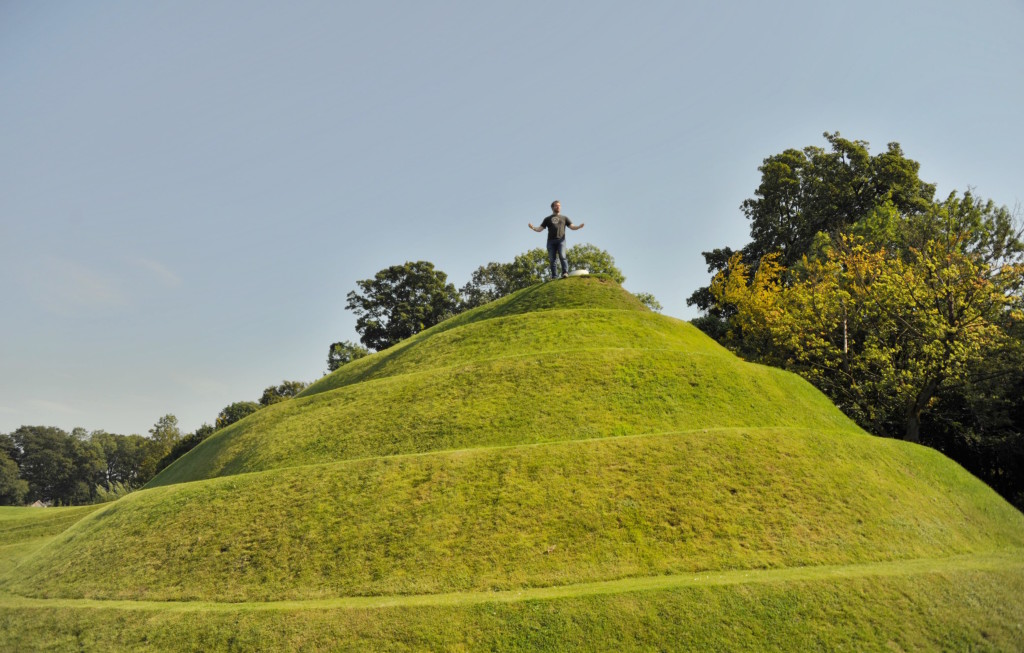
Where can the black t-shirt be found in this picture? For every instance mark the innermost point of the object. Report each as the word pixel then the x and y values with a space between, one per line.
pixel 556 224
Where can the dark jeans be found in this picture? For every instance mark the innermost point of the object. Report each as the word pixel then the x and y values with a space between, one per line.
pixel 556 248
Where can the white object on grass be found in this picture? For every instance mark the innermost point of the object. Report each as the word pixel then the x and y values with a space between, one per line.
pixel 578 273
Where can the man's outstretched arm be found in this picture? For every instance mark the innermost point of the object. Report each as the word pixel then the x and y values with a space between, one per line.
pixel 575 227
pixel 538 229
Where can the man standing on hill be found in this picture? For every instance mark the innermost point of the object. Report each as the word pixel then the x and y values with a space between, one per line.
pixel 556 224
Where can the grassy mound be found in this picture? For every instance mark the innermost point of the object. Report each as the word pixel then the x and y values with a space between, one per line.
pixel 558 469
pixel 520 370
pixel 549 333
pixel 529 516
pixel 517 400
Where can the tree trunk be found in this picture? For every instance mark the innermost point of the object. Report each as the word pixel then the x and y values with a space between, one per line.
pixel 913 432
pixel 913 423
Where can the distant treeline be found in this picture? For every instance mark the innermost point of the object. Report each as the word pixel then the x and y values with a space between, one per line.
pixel 50 465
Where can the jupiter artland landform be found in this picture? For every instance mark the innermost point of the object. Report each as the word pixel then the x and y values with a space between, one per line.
pixel 559 469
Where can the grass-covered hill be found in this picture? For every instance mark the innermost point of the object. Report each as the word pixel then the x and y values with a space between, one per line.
pixel 560 469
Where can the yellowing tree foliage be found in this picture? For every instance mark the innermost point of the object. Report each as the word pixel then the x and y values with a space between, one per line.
pixel 904 309
pixel 878 330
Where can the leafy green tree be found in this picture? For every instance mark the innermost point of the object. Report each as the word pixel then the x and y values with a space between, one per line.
pixel 496 280
pixel 904 309
pixel 58 467
pixel 980 424
pixel 882 332
pixel 8 446
pixel 124 457
pixel 814 190
pixel 400 301
pixel 595 260
pixel 648 300
pixel 203 432
pixel 113 492
pixel 234 412
pixel 13 488
pixel 530 267
pixel 162 438
pixel 165 431
pixel 804 193
pixel 286 390
pixel 43 460
pixel 186 444
pixel 343 353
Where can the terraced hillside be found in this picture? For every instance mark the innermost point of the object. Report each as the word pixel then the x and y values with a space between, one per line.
pixel 558 469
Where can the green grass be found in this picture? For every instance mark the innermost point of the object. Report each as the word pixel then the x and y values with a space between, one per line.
pixel 501 374
pixel 593 292
pixel 529 516
pixel 558 470
pixel 590 294
pixel 532 398
pixel 548 333
pixel 23 531
pixel 20 524
pixel 956 609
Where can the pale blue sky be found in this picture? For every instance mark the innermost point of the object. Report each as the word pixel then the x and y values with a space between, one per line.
pixel 189 189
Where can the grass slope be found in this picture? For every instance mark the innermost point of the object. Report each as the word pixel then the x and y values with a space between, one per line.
pixel 502 374
pixel 23 531
pixel 518 400
pixel 590 294
pixel 20 524
pixel 951 609
pixel 560 469
pixel 548 333
pixel 529 516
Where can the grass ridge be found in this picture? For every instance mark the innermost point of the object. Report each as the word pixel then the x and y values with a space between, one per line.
pixel 366 368
pixel 523 445
pixel 530 517
pixel 1007 558
pixel 509 400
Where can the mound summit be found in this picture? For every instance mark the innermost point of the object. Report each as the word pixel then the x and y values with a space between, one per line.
pixel 559 469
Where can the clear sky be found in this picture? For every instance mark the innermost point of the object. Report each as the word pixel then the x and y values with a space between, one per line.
pixel 189 189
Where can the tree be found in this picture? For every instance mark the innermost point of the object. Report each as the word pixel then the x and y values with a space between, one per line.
pixel 165 432
pixel 57 466
pixel 8 446
pixel 496 280
pixel 236 411
pixel 343 353
pixel 594 260
pixel 905 310
pixel 648 300
pixel 162 438
pixel 400 301
pixel 980 424
pixel 286 390
pixel 882 331
pixel 124 457
pixel 186 444
pixel 13 488
pixel 811 191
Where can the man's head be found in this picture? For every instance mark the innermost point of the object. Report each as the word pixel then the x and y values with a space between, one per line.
pixel 556 206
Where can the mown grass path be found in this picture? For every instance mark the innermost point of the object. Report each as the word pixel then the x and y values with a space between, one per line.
pixel 1002 560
